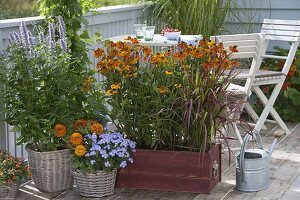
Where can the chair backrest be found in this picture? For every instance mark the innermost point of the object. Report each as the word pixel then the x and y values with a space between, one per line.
pixel 282 30
pixel 248 46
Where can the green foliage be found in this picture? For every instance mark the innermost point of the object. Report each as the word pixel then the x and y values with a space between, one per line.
pixel 204 17
pixel 40 88
pixel 288 100
pixel 10 9
pixel 12 169
pixel 71 12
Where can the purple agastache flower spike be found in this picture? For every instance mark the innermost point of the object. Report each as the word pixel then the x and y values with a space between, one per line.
pixel 24 34
pixel 17 37
pixel 63 44
pixel 51 32
pixel 10 41
pixel 41 37
pixel 61 28
pixel 30 38
pixel 141 57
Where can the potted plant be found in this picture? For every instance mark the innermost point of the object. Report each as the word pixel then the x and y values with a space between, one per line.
pixel 13 171
pixel 43 94
pixel 96 158
pixel 173 105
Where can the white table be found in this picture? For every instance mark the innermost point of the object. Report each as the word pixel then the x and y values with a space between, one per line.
pixel 159 40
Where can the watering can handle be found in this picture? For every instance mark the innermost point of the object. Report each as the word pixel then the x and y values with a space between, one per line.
pixel 242 152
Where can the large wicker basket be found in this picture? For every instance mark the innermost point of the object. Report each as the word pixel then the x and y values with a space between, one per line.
pixel 98 184
pixel 9 191
pixel 51 171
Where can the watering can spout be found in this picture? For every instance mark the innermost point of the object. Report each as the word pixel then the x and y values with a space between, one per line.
pixel 271 148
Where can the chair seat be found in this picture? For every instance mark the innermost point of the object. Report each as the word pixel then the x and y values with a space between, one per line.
pixel 236 90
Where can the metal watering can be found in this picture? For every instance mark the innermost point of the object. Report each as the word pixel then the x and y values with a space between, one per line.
pixel 253 166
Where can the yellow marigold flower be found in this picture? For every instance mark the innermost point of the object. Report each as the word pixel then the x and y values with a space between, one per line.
pixel 96 128
pixel 76 138
pixel 60 130
pixel 163 90
pixel 178 85
pixel 115 86
pixel 80 150
pixel 169 73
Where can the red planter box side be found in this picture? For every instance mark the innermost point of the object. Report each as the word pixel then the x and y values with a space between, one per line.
pixel 172 171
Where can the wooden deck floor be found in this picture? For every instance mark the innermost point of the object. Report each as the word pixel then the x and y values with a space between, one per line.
pixel 285 178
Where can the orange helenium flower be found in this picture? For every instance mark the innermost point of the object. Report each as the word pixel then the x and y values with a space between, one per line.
pixel 98 53
pixel 76 138
pixel 80 123
pixel 96 128
pixel 60 130
pixel 163 90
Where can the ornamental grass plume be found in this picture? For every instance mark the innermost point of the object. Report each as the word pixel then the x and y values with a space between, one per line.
pixel 170 100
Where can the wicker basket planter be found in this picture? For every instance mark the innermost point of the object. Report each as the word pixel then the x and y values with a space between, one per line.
pixel 97 184
pixel 51 171
pixel 8 192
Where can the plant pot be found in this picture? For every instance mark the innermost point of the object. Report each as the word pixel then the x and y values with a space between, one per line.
pixel 51 171
pixel 172 171
pixel 98 184
pixel 9 191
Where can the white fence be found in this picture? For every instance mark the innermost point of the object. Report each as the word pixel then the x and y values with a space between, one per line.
pixel 110 21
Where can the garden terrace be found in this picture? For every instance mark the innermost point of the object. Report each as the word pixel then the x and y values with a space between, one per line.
pixel 284 183
pixel 119 20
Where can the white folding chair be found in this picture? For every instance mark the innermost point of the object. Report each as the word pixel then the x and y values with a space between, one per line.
pixel 275 30
pixel 249 46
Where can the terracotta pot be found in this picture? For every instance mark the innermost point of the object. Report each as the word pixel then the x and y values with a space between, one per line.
pixel 173 171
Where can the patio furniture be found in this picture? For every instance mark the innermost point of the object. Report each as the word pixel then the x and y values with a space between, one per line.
pixel 249 46
pixel 160 41
pixel 275 30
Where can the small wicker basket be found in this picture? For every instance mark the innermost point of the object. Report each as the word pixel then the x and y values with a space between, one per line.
pixel 98 184
pixel 9 192
pixel 51 171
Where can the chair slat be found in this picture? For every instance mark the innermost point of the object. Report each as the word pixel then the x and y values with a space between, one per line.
pixel 283 22
pixel 281 27
pixel 276 57
pixel 243 55
pixel 282 38
pixel 251 36
pixel 240 43
pixel 276 32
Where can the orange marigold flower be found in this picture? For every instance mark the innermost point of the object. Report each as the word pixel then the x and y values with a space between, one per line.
pixel 98 53
pixel 163 90
pixel 60 130
pixel 180 56
pixel 79 123
pixel 76 138
pixel 80 150
pixel 96 128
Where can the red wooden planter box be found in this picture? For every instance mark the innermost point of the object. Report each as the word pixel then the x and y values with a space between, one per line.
pixel 172 171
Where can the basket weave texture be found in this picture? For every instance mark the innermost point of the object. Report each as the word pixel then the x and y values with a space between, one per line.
pixel 9 191
pixel 51 171
pixel 98 184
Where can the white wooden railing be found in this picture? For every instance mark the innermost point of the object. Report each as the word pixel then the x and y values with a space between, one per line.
pixel 109 21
